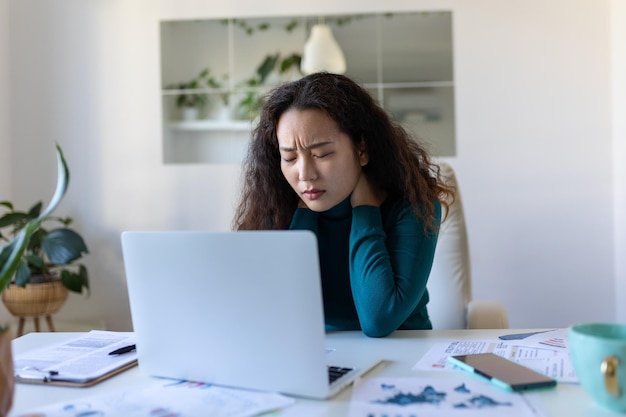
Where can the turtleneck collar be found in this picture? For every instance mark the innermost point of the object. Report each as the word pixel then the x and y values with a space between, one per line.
pixel 342 210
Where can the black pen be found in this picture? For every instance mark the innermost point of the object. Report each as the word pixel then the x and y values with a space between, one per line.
pixel 123 350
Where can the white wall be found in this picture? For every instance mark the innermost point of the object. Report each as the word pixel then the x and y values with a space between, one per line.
pixel 618 75
pixel 5 143
pixel 535 157
pixel 533 138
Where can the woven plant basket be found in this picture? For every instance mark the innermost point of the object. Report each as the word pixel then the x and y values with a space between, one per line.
pixel 35 300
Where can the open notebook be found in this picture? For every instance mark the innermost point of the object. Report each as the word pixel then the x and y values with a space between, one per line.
pixel 240 309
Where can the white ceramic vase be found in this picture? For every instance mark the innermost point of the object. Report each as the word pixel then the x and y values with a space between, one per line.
pixel 189 113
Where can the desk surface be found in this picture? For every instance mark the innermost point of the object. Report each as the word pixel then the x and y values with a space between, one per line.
pixel 400 353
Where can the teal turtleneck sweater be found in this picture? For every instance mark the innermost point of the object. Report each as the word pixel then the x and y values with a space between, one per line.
pixel 375 264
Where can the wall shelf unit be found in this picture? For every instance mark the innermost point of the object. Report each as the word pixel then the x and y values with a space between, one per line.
pixel 404 60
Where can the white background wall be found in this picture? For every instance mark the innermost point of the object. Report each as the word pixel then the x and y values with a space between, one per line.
pixel 5 131
pixel 618 75
pixel 534 141
pixel 5 143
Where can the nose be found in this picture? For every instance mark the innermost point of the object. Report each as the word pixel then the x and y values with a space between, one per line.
pixel 307 170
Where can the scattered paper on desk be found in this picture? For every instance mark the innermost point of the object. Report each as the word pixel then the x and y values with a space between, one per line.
pixel 553 363
pixel 80 359
pixel 411 397
pixel 556 339
pixel 165 398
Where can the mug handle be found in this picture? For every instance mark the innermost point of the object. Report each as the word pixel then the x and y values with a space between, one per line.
pixel 609 370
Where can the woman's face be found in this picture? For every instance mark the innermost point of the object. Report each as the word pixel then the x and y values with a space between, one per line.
pixel 318 160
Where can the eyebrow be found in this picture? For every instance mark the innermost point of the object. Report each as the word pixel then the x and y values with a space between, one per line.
pixel 306 148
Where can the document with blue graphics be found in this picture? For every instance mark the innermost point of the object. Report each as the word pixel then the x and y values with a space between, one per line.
pixel 170 398
pixel 444 397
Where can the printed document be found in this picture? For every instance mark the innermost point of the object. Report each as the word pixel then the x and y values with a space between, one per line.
pixel 162 398
pixel 551 362
pixel 406 397
pixel 84 358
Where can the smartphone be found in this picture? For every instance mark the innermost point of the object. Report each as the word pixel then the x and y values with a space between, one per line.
pixel 502 372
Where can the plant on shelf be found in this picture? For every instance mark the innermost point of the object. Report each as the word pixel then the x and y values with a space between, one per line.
pixel 252 101
pixel 194 100
pixel 220 85
pixel 191 102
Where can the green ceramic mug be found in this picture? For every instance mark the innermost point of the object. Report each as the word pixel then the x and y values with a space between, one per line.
pixel 598 352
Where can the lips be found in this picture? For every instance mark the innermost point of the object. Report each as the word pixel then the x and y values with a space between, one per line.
pixel 313 194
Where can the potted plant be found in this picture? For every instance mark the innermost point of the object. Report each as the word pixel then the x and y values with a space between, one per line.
pixel 249 106
pixel 12 255
pixel 223 111
pixel 47 259
pixel 192 102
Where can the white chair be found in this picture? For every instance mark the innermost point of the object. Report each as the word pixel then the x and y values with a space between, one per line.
pixel 450 282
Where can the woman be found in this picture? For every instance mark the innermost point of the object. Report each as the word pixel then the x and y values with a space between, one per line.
pixel 326 158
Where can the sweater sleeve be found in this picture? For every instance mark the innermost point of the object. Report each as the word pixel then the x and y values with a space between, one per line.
pixel 388 272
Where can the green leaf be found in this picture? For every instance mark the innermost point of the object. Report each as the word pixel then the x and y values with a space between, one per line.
pixel 82 273
pixel 212 82
pixel 75 281
pixel 35 210
pixel 290 61
pixel 63 246
pixel 17 218
pixel 65 221
pixel 267 66
pixel 15 248
pixel 7 204
pixel 63 178
pixel 6 250
pixel 22 275
pixel 71 281
pixel 34 243
pixel 35 260
pixel 204 73
pixel 291 25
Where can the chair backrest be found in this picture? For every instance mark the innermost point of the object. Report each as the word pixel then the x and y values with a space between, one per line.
pixel 449 283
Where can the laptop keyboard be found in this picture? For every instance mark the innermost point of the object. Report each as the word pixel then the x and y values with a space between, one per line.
pixel 336 372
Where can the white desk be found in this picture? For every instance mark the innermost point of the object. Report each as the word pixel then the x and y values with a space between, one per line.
pixel 400 352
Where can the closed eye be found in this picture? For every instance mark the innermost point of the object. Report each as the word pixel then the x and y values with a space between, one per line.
pixel 288 156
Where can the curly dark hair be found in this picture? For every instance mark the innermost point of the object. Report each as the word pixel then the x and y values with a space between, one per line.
pixel 398 164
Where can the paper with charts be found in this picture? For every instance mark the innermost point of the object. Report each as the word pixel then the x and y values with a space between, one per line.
pixel 166 398
pixel 413 397
pixel 549 361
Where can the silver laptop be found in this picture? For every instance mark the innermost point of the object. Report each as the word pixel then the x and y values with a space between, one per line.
pixel 239 309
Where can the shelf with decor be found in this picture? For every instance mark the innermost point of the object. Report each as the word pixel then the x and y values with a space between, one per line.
pixel 404 59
